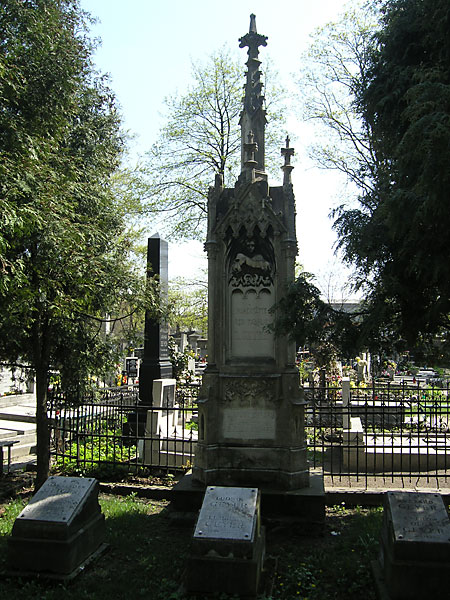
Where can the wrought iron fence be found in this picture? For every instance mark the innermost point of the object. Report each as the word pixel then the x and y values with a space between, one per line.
pixel 356 435
pixel 386 431
pixel 111 430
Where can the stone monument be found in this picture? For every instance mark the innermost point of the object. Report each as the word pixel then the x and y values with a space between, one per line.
pixel 251 408
pixel 59 531
pixel 414 559
pixel 155 362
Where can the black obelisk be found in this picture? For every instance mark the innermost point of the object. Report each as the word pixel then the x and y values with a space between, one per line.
pixel 155 362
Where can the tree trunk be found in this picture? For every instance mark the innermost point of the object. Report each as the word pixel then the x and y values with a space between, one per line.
pixel 42 428
pixel 322 384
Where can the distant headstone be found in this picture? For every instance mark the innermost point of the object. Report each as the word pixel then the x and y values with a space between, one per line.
pixel 228 545
pixel 132 366
pixel 164 393
pixel 155 362
pixel 414 557
pixel 60 529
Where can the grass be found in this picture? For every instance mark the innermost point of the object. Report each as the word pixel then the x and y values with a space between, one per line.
pixel 148 554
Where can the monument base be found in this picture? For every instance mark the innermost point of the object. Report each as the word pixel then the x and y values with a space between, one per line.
pixel 62 576
pixel 305 506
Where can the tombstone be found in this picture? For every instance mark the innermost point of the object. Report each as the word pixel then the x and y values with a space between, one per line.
pixel 414 559
pixel 155 362
pixel 251 407
pixel 227 551
pixel 132 367
pixel 59 531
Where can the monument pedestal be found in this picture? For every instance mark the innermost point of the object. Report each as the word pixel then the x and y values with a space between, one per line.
pixel 251 429
pixel 303 507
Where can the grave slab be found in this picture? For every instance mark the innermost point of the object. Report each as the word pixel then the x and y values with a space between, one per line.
pixel 60 529
pixel 228 544
pixel 414 556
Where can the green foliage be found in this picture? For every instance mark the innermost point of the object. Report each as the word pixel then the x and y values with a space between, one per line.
pixel 188 301
pixel 180 361
pixel 65 252
pixel 311 322
pixel 97 454
pixel 398 237
pixel 201 139
pixel 10 514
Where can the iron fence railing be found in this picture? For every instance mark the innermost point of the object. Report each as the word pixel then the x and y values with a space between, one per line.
pixel 110 429
pixel 354 434
pixel 386 430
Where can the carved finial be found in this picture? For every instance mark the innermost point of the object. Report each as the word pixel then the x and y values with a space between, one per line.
pixel 287 167
pixel 253 39
pixel 287 153
pixel 251 148
pixel 253 116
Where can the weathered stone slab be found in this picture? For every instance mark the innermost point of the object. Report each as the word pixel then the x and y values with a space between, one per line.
pixel 420 526
pixel 227 551
pixel 415 546
pixel 227 513
pixel 61 527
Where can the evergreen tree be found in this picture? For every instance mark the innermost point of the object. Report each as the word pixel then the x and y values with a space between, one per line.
pixel 65 253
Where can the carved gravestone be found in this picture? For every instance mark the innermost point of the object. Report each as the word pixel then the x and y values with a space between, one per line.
pixel 251 408
pixel 228 545
pixel 59 531
pixel 414 557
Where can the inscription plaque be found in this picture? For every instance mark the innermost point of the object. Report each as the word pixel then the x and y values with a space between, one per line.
pixel 58 500
pixel 249 423
pixel 419 517
pixel 250 318
pixel 227 513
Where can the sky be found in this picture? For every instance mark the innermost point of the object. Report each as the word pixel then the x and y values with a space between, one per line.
pixel 148 47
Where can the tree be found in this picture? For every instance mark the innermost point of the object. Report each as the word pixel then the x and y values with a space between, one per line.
pixel 398 237
pixel 188 302
pixel 333 70
pixel 329 333
pixel 201 139
pixel 65 251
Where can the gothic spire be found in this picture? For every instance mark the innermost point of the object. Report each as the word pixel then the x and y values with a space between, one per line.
pixel 253 115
